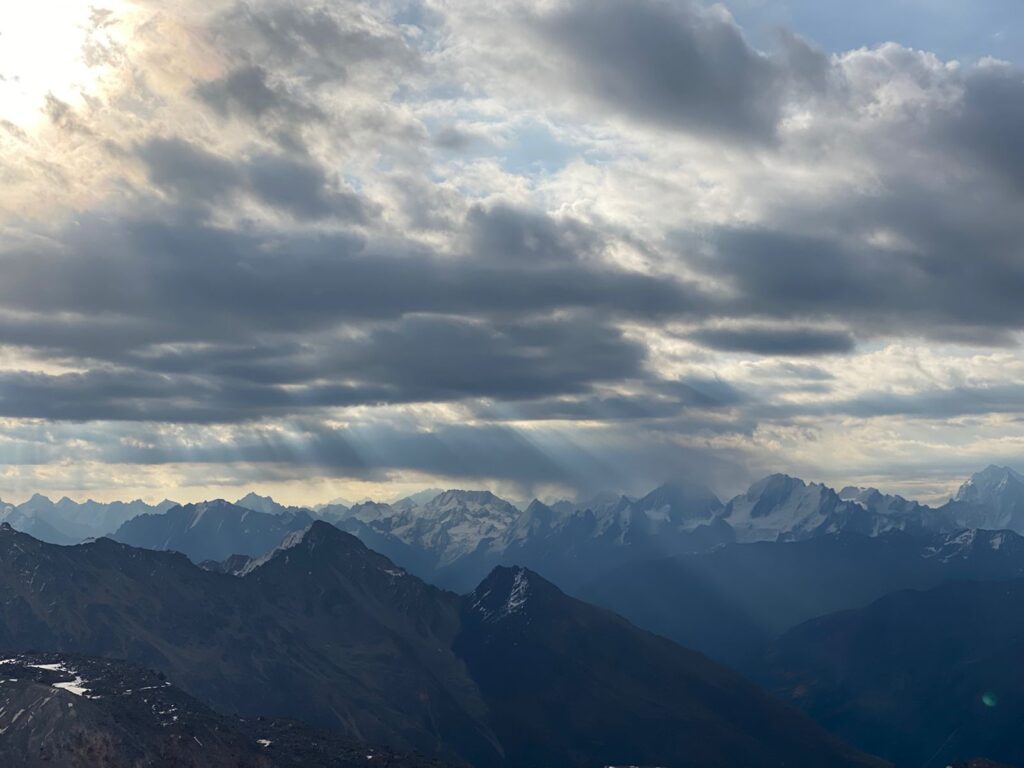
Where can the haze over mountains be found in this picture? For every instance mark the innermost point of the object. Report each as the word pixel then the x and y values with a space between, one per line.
pixel 332 633
pixel 454 538
pixel 339 617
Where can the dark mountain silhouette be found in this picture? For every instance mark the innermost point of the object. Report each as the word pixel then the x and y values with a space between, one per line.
pixel 573 685
pixel 922 678
pixel 329 632
pixel 80 712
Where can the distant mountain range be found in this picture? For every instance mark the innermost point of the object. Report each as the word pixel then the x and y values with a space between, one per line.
pixel 454 538
pixel 60 709
pixel 212 530
pixel 732 600
pixel 327 631
pixel 69 522
pixel 458 536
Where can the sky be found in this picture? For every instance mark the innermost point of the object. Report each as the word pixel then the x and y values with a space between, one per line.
pixel 548 247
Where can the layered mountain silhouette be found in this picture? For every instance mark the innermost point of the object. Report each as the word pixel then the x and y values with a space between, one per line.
pixel 212 530
pixel 922 678
pixel 729 602
pixel 78 712
pixel 327 631
pixel 68 522
pixel 454 538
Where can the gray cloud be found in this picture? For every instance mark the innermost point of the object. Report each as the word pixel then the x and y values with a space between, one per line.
pixel 246 92
pixel 315 245
pixel 296 185
pixel 678 65
pixel 788 342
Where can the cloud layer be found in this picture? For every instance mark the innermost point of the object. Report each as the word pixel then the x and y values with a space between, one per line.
pixel 554 245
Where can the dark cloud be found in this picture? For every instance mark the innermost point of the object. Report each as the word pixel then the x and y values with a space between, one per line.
pixel 419 359
pixel 296 185
pixel 678 65
pixel 189 171
pixel 990 121
pixel 189 280
pixel 929 289
pixel 508 234
pixel 788 342
pixel 246 92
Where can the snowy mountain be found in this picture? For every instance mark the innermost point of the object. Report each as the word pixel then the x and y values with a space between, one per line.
pixel 457 537
pixel 992 499
pixel 784 508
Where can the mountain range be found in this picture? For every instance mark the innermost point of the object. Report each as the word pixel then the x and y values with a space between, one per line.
pixel 212 530
pixel 454 538
pixel 729 602
pixel 339 618
pixel 68 522
pixel 326 631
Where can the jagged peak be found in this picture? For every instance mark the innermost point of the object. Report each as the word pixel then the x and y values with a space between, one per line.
pixel 509 591
pixel 775 483
pixel 675 493
pixel 458 495
pixel 319 537
pixel 537 506
pixel 252 496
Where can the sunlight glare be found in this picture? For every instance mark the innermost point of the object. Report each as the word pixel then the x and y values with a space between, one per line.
pixel 42 53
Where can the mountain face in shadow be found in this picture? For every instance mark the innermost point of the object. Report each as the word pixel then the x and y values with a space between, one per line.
pixel 571 684
pixel 327 631
pixel 81 712
pixel 921 678
pixel 729 602
pixel 212 530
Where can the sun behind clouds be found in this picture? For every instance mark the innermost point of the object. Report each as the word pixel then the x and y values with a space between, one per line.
pixel 53 51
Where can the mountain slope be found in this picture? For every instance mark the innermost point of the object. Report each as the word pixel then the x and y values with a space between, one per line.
pixel 918 677
pixel 992 498
pixel 613 694
pixel 729 602
pixel 80 712
pixel 325 630
pixel 456 538
pixel 312 642
pixel 212 530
